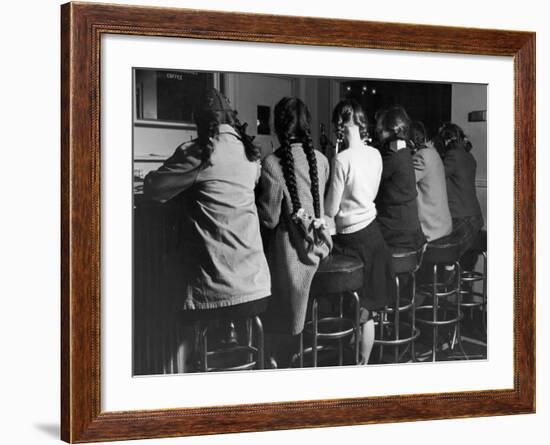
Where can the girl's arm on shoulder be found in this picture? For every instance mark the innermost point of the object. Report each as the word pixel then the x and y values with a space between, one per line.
pixel 419 164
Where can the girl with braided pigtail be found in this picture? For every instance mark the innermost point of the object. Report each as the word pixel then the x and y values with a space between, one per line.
pixel 356 171
pixel 290 206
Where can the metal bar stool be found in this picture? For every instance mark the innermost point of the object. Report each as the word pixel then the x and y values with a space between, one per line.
pixel 233 355
pixel 443 252
pixel 469 277
pixel 338 276
pixel 405 263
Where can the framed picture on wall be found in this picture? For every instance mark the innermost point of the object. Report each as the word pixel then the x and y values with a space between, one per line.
pixel 344 243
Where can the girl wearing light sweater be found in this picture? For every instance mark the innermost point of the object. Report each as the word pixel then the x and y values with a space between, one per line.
pixel 356 170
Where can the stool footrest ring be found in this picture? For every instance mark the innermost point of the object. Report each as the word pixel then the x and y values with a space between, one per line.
pixel 309 351
pixel 399 342
pixel 404 308
pixel 346 327
pixel 445 294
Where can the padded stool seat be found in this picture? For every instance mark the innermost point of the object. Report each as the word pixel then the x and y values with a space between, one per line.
pixel 238 311
pixel 336 274
pixel 446 250
pixel 234 355
pixel 405 260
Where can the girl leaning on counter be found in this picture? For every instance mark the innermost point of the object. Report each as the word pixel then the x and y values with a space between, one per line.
pixel 223 266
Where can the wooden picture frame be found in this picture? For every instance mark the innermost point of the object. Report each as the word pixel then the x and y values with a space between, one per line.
pixel 82 26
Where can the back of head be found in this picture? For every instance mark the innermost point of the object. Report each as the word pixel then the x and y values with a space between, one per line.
pixel 393 124
pixel 292 119
pixel 452 136
pixel 349 111
pixel 418 135
pixel 214 111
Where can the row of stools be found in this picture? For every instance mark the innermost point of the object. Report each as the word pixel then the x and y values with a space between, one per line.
pixel 446 293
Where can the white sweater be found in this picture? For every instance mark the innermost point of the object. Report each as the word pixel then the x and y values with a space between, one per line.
pixel 356 174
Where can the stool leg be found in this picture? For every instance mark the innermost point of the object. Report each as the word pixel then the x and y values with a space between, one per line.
pixel 315 316
pixel 196 356
pixel 484 293
pixel 458 308
pixel 413 314
pixel 381 327
pixel 396 318
pixel 435 303
pixel 301 346
pixel 357 326
pixel 249 337
pixel 341 341
pixel 259 342
pixel 203 346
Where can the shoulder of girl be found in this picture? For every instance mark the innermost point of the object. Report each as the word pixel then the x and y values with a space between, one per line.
pixel 321 157
pixel 374 152
pixel 451 154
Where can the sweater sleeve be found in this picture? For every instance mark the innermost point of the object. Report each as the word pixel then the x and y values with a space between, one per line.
pixel 176 175
pixel 336 188
pixel 269 197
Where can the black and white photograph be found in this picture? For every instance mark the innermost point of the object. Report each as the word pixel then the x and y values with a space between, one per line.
pixel 286 221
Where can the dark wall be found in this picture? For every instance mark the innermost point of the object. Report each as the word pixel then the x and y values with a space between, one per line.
pixel 426 102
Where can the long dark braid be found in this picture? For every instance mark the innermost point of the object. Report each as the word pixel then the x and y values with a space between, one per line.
pixel 287 163
pixel 251 150
pixel 207 129
pixel 346 111
pixel 340 132
pixel 292 122
pixel 307 145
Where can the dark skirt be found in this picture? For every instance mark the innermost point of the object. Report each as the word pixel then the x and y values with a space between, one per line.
pixel 369 246
pixel 407 239
pixel 468 227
